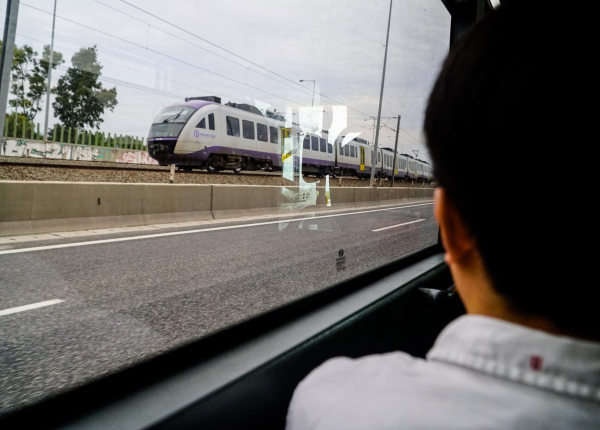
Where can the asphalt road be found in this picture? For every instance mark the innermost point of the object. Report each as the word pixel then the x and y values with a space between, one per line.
pixel 125 301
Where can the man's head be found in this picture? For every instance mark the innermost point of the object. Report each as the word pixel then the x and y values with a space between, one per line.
pixel 509 127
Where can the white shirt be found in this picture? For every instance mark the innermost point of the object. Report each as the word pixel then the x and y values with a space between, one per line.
pixel 482 373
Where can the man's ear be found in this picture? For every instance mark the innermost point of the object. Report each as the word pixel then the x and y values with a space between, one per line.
pixel 456 237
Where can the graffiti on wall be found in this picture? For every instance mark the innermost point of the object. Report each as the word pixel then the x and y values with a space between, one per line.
pixel 65 151
pixel 136 157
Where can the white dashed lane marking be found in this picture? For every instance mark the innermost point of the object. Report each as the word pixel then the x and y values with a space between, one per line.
pixel 29 307
pixel 398 225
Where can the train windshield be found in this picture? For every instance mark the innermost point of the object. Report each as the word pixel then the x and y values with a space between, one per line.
pixel 170 121
pixel 174 114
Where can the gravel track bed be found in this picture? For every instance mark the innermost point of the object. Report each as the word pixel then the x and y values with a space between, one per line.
pixel 37 172
pixel 41 161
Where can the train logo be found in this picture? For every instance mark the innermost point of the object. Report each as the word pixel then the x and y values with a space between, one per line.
pixel 196 133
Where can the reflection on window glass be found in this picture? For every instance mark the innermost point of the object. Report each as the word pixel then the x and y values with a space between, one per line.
pixel 174 114
pixel 159 87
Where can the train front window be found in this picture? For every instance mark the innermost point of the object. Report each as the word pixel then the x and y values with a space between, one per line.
pixel 170 121
pixel 165 130
pixel 153 156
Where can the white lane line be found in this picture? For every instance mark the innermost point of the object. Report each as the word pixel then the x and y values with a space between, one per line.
pixel 204 230
pixel 31 306
pixel 399 225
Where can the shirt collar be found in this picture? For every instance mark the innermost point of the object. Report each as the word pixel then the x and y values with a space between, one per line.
pixel 557 363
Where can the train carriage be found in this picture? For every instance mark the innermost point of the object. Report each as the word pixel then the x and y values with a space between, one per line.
pixel 202 133
pixel 354 158
pixel 411 168
pixel 424 171
pixel 349 157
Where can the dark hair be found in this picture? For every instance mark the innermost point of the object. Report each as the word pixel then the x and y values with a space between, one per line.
pixel 508 126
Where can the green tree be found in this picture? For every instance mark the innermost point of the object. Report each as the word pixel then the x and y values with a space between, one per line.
pixel 80 97
pixel 29 78
pixel 38 81
pixel 23 60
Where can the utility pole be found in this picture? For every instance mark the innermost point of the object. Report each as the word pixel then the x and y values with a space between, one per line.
pixel 313 97
pixel 374 162
pixel 50 61
pixel 395 151
pixel 6 59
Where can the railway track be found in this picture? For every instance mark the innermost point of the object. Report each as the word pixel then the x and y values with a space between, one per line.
pixel 129 168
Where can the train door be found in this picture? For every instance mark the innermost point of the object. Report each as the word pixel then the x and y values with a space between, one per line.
pixel 362 159
pixel 286 145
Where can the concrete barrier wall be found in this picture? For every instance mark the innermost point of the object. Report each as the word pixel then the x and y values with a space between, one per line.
pixel 233 201
pixel 39 207
pixel 69 151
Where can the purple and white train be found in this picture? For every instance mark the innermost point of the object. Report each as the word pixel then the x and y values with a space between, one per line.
pixel 201 133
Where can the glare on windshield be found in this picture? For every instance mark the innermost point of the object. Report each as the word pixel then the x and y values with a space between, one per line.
pixel 174 114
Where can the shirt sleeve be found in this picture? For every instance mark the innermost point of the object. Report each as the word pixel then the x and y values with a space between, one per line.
pixel 346 393
pixel 312 398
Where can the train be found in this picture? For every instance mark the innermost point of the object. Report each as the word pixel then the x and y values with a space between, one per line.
pixel 202 133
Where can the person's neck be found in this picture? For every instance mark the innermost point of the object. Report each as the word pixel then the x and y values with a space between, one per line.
pixel 487 302
pixel 480 298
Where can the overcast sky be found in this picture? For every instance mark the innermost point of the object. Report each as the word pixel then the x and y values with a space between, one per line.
pixel 338 43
